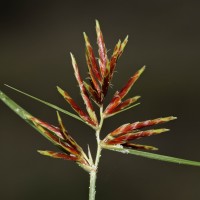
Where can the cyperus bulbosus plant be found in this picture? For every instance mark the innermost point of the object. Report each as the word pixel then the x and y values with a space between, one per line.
pixel 100 72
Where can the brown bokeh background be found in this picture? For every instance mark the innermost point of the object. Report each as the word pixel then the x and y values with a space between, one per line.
pixel 35 40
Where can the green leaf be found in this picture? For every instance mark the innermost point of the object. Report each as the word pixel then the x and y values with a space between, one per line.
pixel 18 110
pixel 154 156
pixel 48 104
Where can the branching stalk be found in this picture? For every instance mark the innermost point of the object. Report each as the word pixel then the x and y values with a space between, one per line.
pixel 93 174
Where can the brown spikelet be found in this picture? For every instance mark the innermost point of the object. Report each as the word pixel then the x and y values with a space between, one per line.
pixel 102 50
pixel 83 91
pixel 135 135
pixel 118 50
pixel 61 138
pixel 91 60
pixel 58 155
pixel 121 106
pixel 124 91
pixel 139 146
pixel 92 77
pixel 127 132
pixel 94 95
pixel 75 106
pixel 147 123
pixel 118 96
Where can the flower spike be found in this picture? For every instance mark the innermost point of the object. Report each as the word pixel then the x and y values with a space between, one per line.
pixel 123 45
pixel 66 135
pixel 136 135
pixel 92 77
pixel 73 104
pixel 83 91
pixel 58 155
pixel 123 134
pixel 91 58
pixel 110 67
pixel 139 146
pixel 118 96
pixel 61 138
pixel 102 50
pixel 122 106
pixel 94 95
pixel 118 50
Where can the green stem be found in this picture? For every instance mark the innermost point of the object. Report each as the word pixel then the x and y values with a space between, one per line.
pixel 93 174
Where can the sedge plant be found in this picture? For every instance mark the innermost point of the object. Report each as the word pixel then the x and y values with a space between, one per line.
pixel 101 71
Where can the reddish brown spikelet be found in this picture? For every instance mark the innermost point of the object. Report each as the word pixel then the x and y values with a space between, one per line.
pixel 102 50
pixel 122 106
pixel 128 131
pixel 118 50
pixel 139 125
pixel 126 128
pixel 71 150
pixel 118 96
pixel 94 83
pixel 66 135
pixel 139 146
pixel 49 127
pixel 106 81
pixel 73 104
pixel 135 135
pixel 124 91
pixel 123 45
pixel 91 58
pixel 123 129
pixel 114 58
pixel 51 136
pixel 116 100
pixel 58 155
pixel 83 91
pixel 95 96
pixel 110 67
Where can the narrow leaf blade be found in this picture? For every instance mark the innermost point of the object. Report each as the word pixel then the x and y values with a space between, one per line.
pixel 47 104
pixel 152 155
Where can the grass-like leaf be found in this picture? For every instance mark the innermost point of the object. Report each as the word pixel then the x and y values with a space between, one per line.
pixel 47 104
pixel 154 156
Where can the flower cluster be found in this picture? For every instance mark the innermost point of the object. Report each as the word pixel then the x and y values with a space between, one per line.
pixel 100 72
pixel 100 76
pixel 60 137
pixel 131 131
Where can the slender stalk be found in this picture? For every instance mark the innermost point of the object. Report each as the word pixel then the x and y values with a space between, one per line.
pixel 93 174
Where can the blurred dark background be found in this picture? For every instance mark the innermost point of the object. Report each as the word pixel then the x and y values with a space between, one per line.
pixel 35 40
